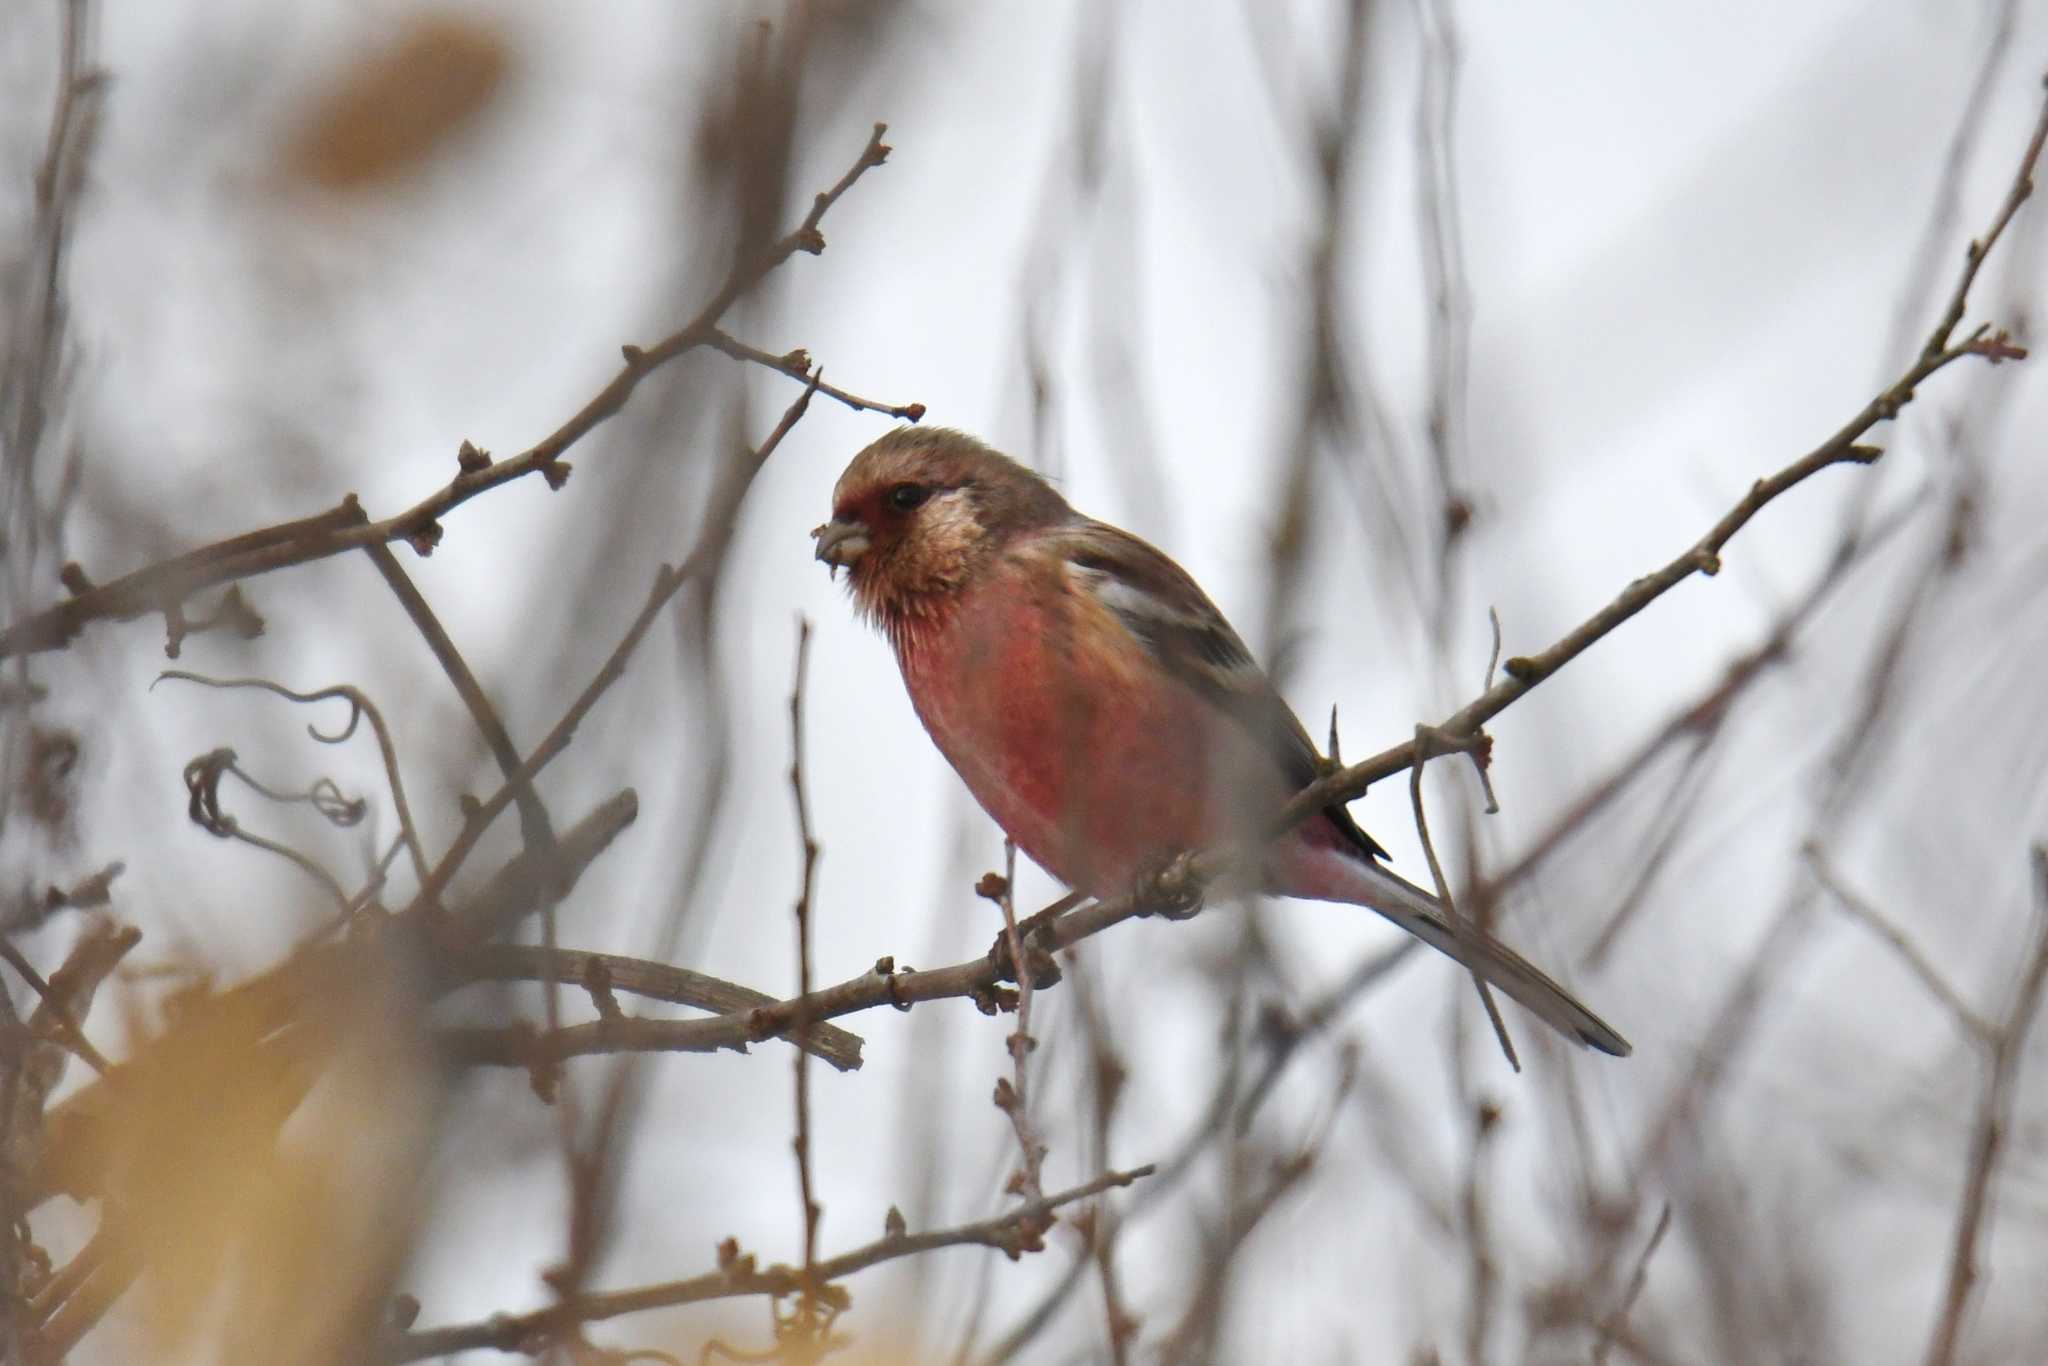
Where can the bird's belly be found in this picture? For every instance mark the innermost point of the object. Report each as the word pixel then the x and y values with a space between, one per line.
pixel 1097 774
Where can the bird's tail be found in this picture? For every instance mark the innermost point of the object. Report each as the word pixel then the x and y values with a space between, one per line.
pixel 1422 915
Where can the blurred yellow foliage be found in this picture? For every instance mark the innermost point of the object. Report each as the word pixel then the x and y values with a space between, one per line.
pixel 266 1181
pixel 394 108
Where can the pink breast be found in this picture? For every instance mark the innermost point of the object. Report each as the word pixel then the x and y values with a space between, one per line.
pixel 1098 770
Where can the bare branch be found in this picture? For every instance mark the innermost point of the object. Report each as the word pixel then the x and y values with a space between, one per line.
pixel 797 365
pixel 1993 1123
pixel 1426 747
pixel 72 1164
pixel 360 706
pixel 517 1047
pixel 1525 672
pixel 164 586
pixel 1864 913
pixel 1013 1095
pixel 533 817
pixel 738 1276
pixel 1612 1326
pixel 813 1315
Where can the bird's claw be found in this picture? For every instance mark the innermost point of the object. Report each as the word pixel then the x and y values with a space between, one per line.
pixel 1170 889
pixel 1044 971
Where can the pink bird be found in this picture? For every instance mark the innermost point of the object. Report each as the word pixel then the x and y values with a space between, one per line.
pixel 1097 704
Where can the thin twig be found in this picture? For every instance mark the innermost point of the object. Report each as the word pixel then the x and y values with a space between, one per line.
pixel 521 1045
pixel 1862 911
pixel 1612 1325
pixel 1319 1016
pixel 533 817
pixel 813 1317
pixel 1526 672
pixel 58 1008
pixel 740 1277
pixel 202 779
pixel 2006 1045
pixel 67 1279
pixel 1195 1330
pixel 73 1164
pixel 100 1286
pixel 1013 1093
pixel 613 972
pixel 797 365
pixel 668 581
pixel 360 706
pixel 1425 746
pixel 1980 249
pixel 535 828
pixel 164 586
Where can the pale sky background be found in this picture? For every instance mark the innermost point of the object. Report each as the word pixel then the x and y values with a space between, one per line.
pixel 1687 230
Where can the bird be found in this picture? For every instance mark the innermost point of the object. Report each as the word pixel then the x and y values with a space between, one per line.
pixel 1097 704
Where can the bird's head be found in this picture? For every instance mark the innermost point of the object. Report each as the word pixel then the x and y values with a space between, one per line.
pixel 919 510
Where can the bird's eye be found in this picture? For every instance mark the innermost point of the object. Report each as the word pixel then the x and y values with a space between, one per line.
pixel 908 497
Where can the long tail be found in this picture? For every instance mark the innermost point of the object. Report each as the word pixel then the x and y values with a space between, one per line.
pixel 1422 915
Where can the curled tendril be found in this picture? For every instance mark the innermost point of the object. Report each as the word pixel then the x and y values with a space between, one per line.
pixel 357 703
pixel 202 781
pixel 327 799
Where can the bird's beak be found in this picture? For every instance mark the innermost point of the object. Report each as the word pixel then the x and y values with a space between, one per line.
pixel 841 543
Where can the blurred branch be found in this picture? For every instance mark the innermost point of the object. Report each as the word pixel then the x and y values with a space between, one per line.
pixel 1933 245
pixel 1288 1035
pixel 1979 251
pixel 1194 1336
pixel 536 829
pixel 1859 909
pixel 601 974
pixel 66 999
pixel 1736 1021
pixel 2005 1046
pixel 1450 299
pixel 1320 411
pixel 31 380
pixel 92 1283
pixel 30 910
pixel 1476 1217
pixel 163 587
pixel 73 1163
pixel 522 1046
pixel 668 581
pixel 533 816
pixel 738 1276
pixel 54 1014
pixel 1700 720
pixel 1526 672
pixel 1611 1327
pixel 1101 1228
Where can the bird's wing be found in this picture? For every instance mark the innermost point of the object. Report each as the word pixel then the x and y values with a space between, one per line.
pixel 1167 612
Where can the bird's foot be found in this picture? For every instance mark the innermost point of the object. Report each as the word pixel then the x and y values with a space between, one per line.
pixel 1044 971
pixel 1169 887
